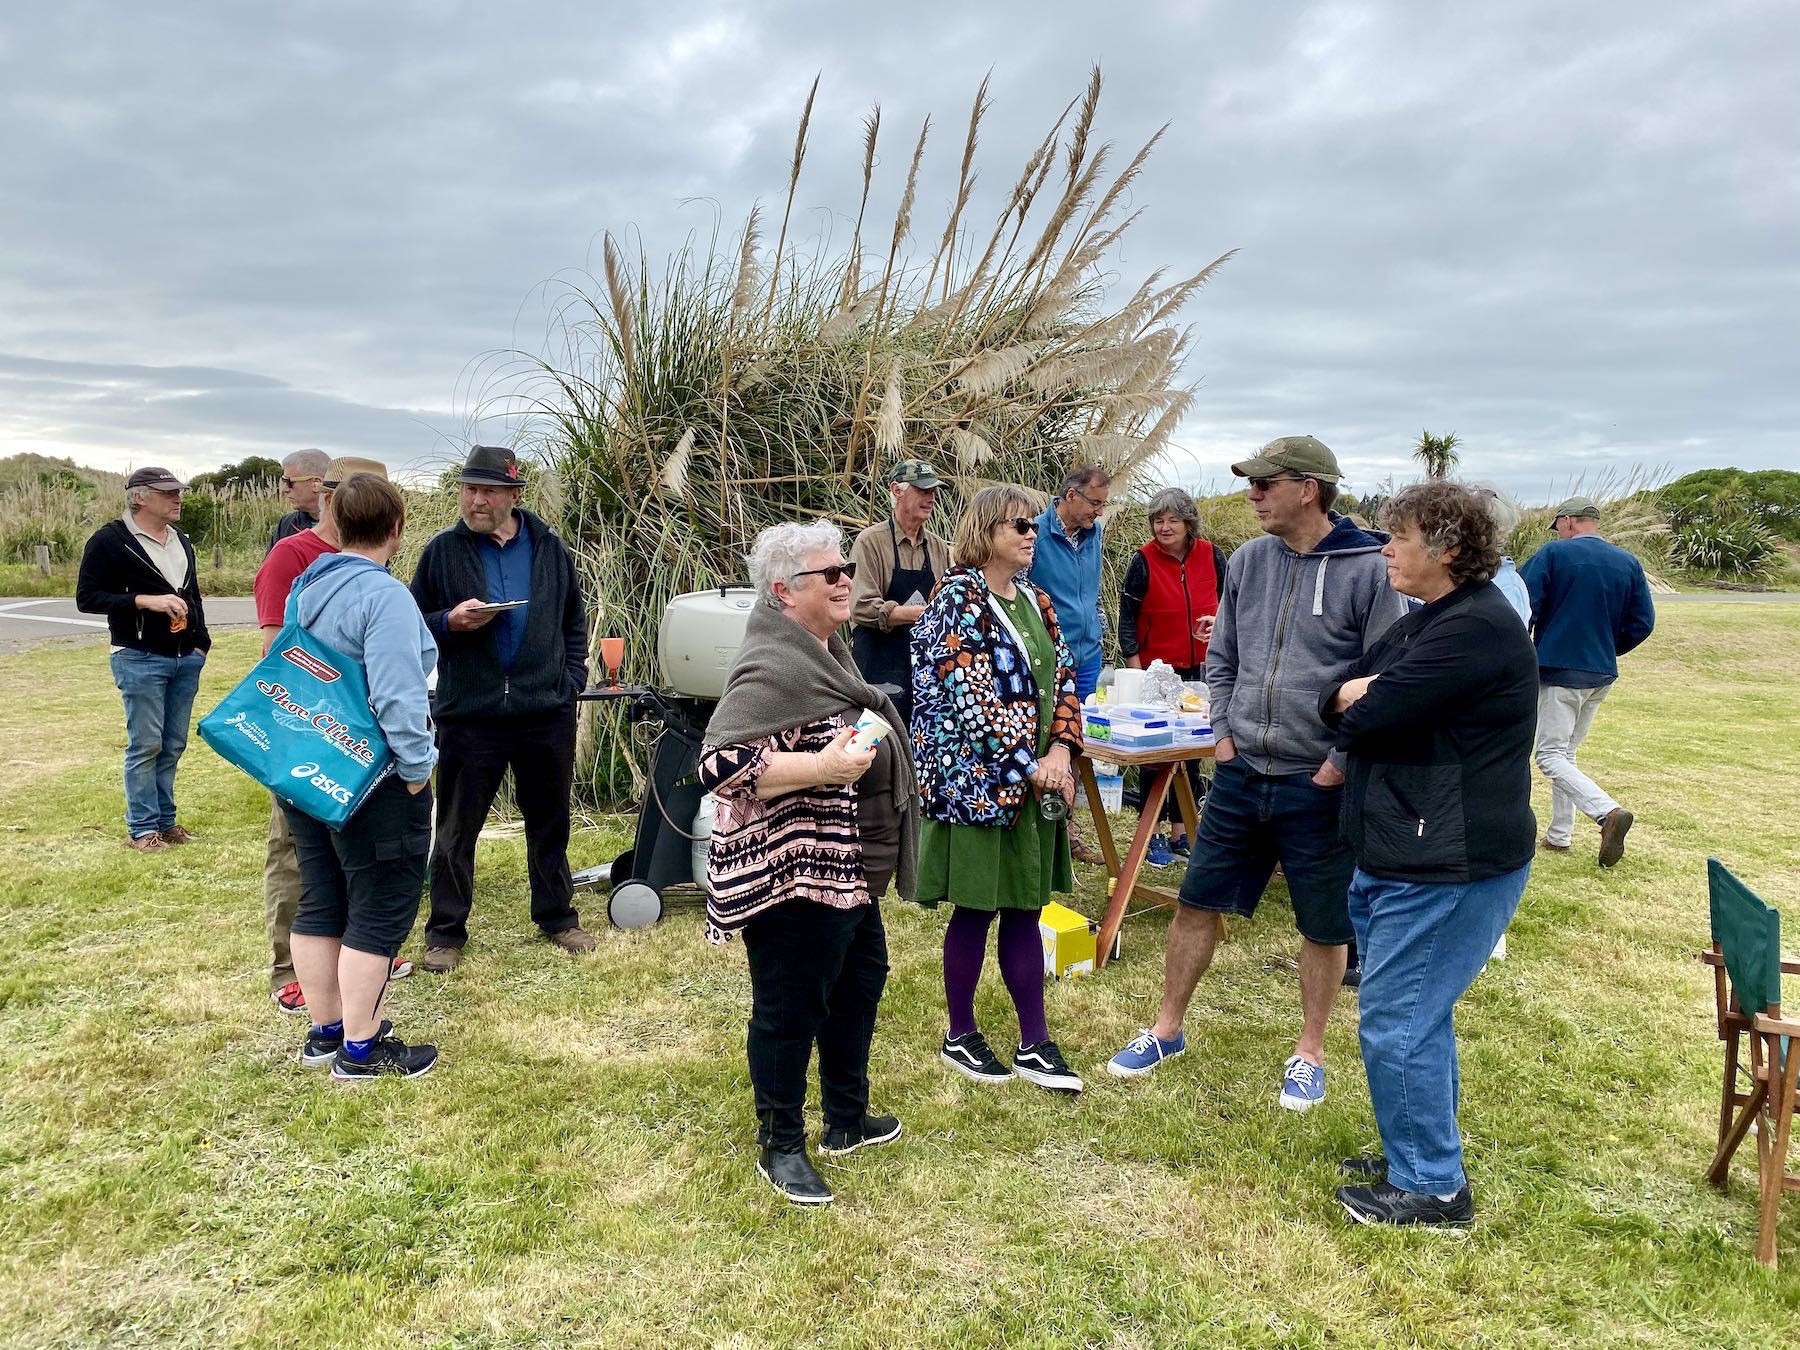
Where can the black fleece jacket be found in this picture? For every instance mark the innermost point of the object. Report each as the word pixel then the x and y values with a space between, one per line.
pixel 551 666
pixel 1439 748
pixel 115 570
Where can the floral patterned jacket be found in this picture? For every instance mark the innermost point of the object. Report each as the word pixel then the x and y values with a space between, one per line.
pixel 975 702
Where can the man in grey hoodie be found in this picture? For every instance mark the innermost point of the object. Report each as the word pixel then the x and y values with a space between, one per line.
pixel 1297 607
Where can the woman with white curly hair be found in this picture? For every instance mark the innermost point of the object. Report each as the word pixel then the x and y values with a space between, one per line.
pixel 809 831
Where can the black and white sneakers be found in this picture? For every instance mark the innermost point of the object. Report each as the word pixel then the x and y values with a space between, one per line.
pixel 389 1057
pixel 872 1131
pixel 1383 1203
pixel 1043 1064
pixel 969 1055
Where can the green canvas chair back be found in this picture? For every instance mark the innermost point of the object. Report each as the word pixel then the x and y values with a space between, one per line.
pixel 1749 936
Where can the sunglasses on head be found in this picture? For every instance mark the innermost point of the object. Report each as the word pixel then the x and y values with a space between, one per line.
pixel 1262 484
pixel 1024 524
pixel 833 574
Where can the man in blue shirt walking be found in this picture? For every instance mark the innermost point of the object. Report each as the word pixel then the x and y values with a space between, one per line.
pixel 1590 604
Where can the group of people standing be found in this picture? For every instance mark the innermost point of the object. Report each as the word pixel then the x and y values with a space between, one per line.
pixel 1376 700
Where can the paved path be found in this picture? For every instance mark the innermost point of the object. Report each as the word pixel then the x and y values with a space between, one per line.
pixel 1733 597
pixel 23 622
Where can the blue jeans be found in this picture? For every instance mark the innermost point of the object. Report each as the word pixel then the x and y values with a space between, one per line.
pixel 1423 944
pixel 159 702
pixel 1087 678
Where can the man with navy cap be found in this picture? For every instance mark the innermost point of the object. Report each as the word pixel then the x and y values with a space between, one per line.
pixel 507 681
pixel 139 571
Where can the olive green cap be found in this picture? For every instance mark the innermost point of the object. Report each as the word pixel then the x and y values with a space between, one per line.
pixel 1305 455
pixel 1577 506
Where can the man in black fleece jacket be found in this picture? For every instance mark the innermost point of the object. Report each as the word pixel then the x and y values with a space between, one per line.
pixel 139 571
pixel 507 681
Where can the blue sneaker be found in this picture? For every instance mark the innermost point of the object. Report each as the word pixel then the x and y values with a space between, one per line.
pixel 1145 1052
pixel 1159 854
pixel 1302 1084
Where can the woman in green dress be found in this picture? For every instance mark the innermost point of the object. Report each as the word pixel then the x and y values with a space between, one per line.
pixel 995 724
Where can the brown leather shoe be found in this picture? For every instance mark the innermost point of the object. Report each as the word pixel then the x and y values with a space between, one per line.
pixel 1085 852
pixel 1612 835
pixel 1549 847
pixel 441 960
pixel 146 843
pixel 178 834
pixel 575 941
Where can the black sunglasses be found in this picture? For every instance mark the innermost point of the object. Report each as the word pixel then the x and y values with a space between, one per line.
pixel 1262 484
pixel 845 571
pixel 287 482
pixel 1024 524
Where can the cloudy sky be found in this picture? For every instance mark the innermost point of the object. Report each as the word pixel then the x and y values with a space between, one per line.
pixel 1566 232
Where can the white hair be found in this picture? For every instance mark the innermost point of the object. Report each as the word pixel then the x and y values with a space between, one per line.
pixel 782 550
pixel 1505 511
pixel 135 497
pixel 306 464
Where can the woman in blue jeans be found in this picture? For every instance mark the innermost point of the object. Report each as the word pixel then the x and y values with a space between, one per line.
pixel 1437 721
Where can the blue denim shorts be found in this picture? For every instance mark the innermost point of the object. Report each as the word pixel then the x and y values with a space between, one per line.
pixel 1248 824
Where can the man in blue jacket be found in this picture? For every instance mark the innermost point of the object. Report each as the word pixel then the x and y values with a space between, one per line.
pixel 1590 604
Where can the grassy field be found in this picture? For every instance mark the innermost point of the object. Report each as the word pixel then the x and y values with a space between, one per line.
pixel 580 1168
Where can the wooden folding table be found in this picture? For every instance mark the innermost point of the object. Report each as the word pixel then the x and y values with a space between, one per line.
pixel 1158 769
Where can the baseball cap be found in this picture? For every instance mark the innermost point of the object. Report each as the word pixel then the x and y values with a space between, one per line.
pixel 1576 506
pixel 1305 455
pixel 915 473
pixel 160 479
pixel 345 465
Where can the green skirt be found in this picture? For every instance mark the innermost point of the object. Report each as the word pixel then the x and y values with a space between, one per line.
pixel 995 867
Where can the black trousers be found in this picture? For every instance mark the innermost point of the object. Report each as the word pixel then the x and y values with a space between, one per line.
pixel 472 759
pixel 816 975
pixel 361 884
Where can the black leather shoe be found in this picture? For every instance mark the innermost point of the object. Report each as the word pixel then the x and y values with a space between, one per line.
pixel 794 1176
pixel 1384 1203
pixel 1365 1168
pixel 873 1130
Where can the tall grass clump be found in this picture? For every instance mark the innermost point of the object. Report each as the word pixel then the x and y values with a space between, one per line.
pixel 697 399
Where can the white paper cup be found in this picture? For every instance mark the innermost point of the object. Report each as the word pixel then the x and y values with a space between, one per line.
pixel 871 728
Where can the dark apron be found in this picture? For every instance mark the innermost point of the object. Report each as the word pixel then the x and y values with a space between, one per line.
pixel 886 658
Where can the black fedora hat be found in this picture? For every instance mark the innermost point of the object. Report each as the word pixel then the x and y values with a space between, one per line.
pixel 492 465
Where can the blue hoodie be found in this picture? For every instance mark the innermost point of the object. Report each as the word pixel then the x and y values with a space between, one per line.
pixel 353 604
pixel 1290 625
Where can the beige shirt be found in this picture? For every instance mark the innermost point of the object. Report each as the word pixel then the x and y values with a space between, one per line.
pixel 170 558
pixel 873 554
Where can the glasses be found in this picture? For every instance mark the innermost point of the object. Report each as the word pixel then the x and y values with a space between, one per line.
pixel 1262 484
pixel 287 482
pixel 1099 506
pixel 835 573
pixel 1024 524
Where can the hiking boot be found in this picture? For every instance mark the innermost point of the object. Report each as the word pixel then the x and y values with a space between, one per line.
pixel 178 834
pixel 147 843
pixel 1144 1052
pixel 1365 1168
pixel 1382 1203
pixel 1549 847
pixel 321 1047
pixel 873 1131
pixel 1159 854
pixel 440 960
pixel 1043 1064
pixel 400 969
pixel 1612 835
pixel 794 1176
pixel 1302 1084
pixel 576 941
pixel 288 998
pixel 389 1057
pixel 970 1056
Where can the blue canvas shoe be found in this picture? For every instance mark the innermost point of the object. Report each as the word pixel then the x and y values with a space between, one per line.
pixel 1145 1052
pixel 1302 1084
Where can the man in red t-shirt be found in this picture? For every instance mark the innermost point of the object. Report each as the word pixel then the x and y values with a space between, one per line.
pixel 281 872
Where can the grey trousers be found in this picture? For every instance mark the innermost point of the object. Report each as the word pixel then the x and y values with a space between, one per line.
pixel 1564 716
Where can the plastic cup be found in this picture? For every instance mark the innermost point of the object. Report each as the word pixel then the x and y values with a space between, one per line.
pixel 871 730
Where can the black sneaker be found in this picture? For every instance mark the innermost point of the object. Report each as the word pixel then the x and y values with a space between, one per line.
pixel 1353 977
pixel 1043 1064
pixel 1364 1168
pixel 873 1130
pixel 321 1049
pixel 1383 1203
pixel 794 1176
pixel 969 1055
pixel 389 1057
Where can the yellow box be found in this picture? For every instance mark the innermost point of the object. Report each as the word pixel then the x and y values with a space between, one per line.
pixel 1068 942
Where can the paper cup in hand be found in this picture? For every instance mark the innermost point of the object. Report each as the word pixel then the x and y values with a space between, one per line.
pixel 871 728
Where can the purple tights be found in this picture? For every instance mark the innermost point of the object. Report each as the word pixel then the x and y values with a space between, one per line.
pixel 1021 967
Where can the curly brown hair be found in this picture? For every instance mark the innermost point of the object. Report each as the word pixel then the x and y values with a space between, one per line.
pixel 1449 516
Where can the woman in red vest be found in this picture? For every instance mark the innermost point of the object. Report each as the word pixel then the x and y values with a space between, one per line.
pixel 1166 608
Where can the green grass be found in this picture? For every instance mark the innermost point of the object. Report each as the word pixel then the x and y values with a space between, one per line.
pixel 580 1169
pixel 235 578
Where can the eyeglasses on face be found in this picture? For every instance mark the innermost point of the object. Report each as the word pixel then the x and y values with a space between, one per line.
pixel 1262 484
pixel 845 571
pixel 1024 524
pixel 287 482
pixel 1100 505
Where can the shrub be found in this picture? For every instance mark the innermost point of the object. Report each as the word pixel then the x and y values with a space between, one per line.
pixel 1731 544
pixel 1769 497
